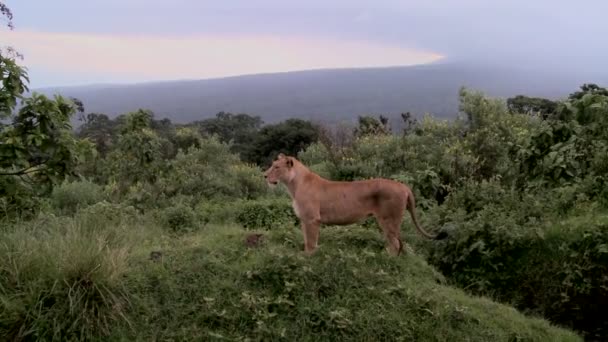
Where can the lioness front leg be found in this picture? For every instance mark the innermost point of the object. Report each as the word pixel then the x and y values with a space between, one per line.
pixel 310 230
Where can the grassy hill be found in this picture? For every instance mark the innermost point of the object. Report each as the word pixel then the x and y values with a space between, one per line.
pixel 93 275
pixel 337 94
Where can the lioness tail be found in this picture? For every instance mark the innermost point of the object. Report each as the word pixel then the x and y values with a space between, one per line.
pixel 411 207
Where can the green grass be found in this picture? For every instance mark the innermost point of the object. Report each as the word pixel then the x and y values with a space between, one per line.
pixel 82 278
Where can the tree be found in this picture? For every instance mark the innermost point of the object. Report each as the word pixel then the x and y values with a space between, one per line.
pixel 138 154
pixel 588 88
pixel 37 148
pixel 532 105
pixel 8 51
pixel 187 137
pixel 101 130
pixel 337 139
pixel 6 12
pixel 289 137
pixel 369 125
pixel 14 81
pixel 409 123
pixel 239 130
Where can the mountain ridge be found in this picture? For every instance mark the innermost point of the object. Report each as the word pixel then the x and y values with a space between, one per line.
pixel 341 94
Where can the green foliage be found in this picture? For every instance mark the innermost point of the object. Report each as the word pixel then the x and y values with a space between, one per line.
pixel 290 137
pixel 37 149
pixel 555 270
pixel 369 125
pixel 266 214
pixel 238 130
pixel 178 218
pixel 532 105
pixel 99 129
pixel 38 144
pixel 110 212
pixel 588 89
pixel 211 171
pixel 14 80
pixel 137 157
pixel 186 137
pixel 69 197
pixel 217 211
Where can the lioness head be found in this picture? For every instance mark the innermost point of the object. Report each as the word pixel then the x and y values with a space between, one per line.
pixel 281 170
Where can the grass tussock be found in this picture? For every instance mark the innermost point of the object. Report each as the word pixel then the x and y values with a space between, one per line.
pixel 62 278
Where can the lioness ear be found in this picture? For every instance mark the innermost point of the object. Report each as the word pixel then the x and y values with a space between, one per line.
pixel 289 162
pixel 280 156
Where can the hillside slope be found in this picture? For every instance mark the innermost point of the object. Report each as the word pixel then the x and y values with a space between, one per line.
pixel 338 94
pixel 350 290
pixel 97 270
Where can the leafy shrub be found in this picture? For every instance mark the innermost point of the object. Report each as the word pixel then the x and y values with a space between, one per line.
pixel 315 153
pixel 20 204
pixel 109 212
pixel 249 181
pixel 217 212
pixel 556 270
pixel 266 214
pixel 212 172
pixel 71 196
pixel 143 196
pixel 178 218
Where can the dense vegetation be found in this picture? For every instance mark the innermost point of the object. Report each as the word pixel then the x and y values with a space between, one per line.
pixel 137 228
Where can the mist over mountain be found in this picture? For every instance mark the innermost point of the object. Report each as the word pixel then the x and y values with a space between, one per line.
pixel 329 95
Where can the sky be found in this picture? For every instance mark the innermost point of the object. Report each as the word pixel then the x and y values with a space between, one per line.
pixel 73 42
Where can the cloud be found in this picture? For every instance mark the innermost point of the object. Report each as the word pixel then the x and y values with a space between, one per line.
pixel 147 57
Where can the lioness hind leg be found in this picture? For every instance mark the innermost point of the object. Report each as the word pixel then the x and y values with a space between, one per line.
pixel 391 230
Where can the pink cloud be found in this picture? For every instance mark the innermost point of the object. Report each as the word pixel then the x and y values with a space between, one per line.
pixel 205 56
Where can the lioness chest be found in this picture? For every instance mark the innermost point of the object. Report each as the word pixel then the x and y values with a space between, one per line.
pixel 296 209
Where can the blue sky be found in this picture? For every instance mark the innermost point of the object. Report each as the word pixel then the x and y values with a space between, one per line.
pixel 70 42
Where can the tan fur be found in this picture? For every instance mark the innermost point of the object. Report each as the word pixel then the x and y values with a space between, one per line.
pixel 317 201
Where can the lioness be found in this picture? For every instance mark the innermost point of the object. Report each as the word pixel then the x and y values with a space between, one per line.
pixel 317 201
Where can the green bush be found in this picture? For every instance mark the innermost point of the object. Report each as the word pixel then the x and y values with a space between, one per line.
pixel 265 214
pixel 20 204
pixel 315 153
pixel 178 218
pixel 212 172
pixel 556 270
pixel 71 196
pixel 108 212
pixel 143 196
pixel 249 181
pixel 218 212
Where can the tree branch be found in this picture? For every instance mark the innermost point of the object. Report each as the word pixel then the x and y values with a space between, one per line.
pixel 25 171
